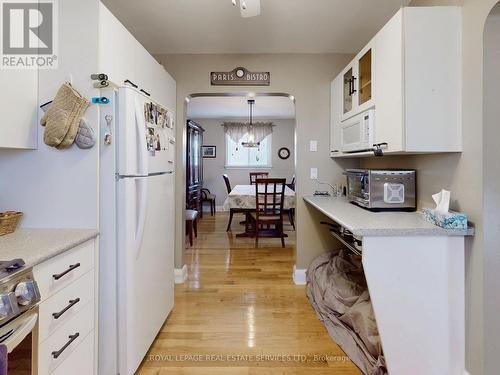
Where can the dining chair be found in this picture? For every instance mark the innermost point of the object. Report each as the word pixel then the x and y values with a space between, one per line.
pixel 291 185
pixel 268 215
pixel 207 196
pixel 291 211
pixel 191 225
pixel 232 211
pixel 256 175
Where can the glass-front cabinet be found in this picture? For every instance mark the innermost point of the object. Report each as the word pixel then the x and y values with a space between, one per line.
pixel 357 93
pixel 348 87
pixel 365 78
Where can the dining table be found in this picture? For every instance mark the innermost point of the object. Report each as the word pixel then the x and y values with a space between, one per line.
pixel 244 197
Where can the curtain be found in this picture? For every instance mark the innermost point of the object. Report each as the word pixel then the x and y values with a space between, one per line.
pixel 236 130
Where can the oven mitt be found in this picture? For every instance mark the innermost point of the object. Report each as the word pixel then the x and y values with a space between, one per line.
pixel 63 117
pixel 85 137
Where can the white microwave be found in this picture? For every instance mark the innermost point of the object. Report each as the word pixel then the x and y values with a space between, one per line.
pixel 357 133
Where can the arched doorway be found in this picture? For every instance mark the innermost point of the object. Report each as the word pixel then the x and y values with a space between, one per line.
pixel 491 190
pixel 271 98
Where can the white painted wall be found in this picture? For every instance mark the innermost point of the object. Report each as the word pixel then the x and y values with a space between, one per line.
pixel 58 188
pixel 491 192
pixel 213 169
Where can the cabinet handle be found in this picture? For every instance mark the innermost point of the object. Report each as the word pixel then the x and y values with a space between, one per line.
pixel 353 89
pixel 72 303
pixel 72 338
pixel 350 86
pixel 145 92
pixel 70 268
pixel 131 83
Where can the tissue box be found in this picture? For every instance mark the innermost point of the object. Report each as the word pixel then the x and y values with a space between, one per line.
pixel 450 220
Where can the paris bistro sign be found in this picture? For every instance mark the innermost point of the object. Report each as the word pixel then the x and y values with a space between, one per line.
pixel 240 77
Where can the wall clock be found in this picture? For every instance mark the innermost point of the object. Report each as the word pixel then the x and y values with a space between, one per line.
pixel 284 153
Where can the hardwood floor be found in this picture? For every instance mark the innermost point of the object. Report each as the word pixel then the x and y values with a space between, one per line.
pixel 239 313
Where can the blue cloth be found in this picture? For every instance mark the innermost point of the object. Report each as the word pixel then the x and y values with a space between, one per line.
pixel 450 220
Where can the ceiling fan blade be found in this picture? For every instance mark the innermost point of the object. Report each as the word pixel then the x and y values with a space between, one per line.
pixel 249 8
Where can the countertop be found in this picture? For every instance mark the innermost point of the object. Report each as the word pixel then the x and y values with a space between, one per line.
pixel 37 245
pixel 362 222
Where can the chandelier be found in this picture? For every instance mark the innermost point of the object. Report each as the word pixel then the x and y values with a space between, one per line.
pixel 251 130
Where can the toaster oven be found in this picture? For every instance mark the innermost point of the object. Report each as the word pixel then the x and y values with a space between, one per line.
pixel 382 189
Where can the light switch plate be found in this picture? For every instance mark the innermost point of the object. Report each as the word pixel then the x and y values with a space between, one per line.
pixel 313 146
pixel 314 173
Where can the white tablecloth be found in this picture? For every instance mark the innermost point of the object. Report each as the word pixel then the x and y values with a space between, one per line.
pixel 243 196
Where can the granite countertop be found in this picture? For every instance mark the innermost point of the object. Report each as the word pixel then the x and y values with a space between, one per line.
pixel 37 245
pixel 362 222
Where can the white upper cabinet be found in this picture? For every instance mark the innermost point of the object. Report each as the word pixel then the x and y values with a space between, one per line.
pixel 410 75
pixel 336 114
pixel 357 95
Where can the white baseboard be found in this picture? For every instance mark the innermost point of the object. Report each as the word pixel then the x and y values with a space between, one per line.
pixel 180 274
pixel 219 209
pixel 466 372
pixel 299 276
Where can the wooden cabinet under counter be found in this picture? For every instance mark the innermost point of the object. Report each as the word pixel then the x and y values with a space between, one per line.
pixel 67 337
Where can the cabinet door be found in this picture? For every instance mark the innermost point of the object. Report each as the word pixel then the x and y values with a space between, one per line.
pixel 389 85
pixel 336 114
pixel 348 91
pixel 365 78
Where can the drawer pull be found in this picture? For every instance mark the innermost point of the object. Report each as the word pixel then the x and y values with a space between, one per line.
pixel 70 268
pixel 72 303
pixel 72 338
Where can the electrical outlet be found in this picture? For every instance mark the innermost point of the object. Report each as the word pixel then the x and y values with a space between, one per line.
pixel 313 146
pixel 314 173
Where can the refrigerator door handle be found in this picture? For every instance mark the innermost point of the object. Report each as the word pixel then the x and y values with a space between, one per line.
pixel 142 204
pixel 142 151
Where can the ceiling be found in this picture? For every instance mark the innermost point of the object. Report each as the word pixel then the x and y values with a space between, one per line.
pixel 284 26
pixel 230 107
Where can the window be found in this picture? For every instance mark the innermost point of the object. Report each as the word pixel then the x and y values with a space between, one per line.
pixel 244 157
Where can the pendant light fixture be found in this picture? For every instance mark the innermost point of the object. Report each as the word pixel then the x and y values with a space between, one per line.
pixel 250 128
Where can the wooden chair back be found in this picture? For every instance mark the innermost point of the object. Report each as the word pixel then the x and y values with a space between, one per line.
pixel 255 175
pixel 228 184
pixel 269 198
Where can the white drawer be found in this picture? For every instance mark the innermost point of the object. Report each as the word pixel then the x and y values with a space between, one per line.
pixel 65 304
pixel 62 270
pixel 81 361
pixel 81 324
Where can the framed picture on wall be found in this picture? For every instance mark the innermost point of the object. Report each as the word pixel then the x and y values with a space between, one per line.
pixel 209 152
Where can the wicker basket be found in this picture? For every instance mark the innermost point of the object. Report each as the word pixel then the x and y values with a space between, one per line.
pixel 9 221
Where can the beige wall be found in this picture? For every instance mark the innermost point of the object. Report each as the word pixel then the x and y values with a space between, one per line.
pixel 213 169
pixel 307 77
pixel 462 173
pixel 491 189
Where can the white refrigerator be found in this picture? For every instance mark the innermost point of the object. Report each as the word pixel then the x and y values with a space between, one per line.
pixel 137 227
